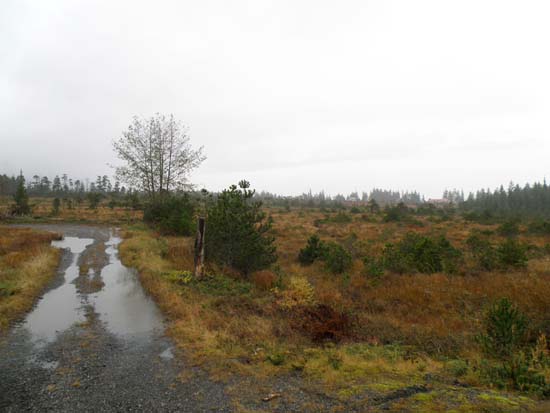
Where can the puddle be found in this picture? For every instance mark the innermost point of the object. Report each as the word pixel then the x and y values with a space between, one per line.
pixel 122 303
pixel 76 245
pixel 55 313
pixel 167 354
pixel 59 308
pixel 46 365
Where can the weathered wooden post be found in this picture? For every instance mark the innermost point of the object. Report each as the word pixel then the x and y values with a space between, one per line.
pixel 199 248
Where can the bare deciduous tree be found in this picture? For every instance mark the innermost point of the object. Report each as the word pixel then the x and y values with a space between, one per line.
pixel 157 154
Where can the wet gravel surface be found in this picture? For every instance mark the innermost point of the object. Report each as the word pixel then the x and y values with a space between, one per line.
pixel 110 355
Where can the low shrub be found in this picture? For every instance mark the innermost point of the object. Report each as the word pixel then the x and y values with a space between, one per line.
pixel 264 280
pixel 512 253
pixel 517 374
pixel 322 323
pixel 373 267
pixel 415 222
pixel 457 368
pixel 418 253
pixel 368 218
pixel 340 218
pixel 509 228
pixel 221 285
pixel 173 215
pixel 396 213
pixel 483 252
pixel 277 359
pixel 539 227
pixel 337 258
pixel 508 254
pixel 427 209
pixel 314 250
pixel 298 293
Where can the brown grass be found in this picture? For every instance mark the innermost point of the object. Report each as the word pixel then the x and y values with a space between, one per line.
pixel 439 313
pixel 27 263
pixel 42 212
pixel 397 328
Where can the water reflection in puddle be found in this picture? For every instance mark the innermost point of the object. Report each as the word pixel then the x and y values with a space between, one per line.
pixel 167 354
pixel 76 245
pixel 45 364
pixel 59 308
pixel 122 303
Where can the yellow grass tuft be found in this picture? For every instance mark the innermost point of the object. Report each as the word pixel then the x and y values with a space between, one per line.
pixel 27 263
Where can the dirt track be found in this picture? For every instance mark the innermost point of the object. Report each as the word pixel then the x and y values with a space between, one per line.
pixel 95 342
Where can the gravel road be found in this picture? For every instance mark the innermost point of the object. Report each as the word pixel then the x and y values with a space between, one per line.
pixel 95 342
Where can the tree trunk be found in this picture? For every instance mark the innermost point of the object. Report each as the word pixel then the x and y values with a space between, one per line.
pixel 199 248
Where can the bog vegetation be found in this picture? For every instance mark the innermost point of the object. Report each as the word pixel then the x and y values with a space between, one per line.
pixel 361 298
pixel 364 295
pixel 360 303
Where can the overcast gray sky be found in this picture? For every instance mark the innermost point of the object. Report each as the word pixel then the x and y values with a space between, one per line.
pixel 291 95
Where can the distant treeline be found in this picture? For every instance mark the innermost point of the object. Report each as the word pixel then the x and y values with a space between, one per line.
pixel 530 200
pixel 381 196
pixel 61 186
pixel 65 186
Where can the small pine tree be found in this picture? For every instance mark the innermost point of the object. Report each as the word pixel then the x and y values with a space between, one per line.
pixel 505 341
pixel 55 206
pixel 505 330
pixel 337 258
pixel 512 253
pixel 238 231
pixel 21 197
pixel 314 250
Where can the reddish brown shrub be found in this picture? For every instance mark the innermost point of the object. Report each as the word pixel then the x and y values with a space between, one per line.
pixel 264 280
pixel 323 323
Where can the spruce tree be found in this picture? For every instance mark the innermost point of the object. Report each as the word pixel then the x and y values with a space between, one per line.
pixel 21 198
